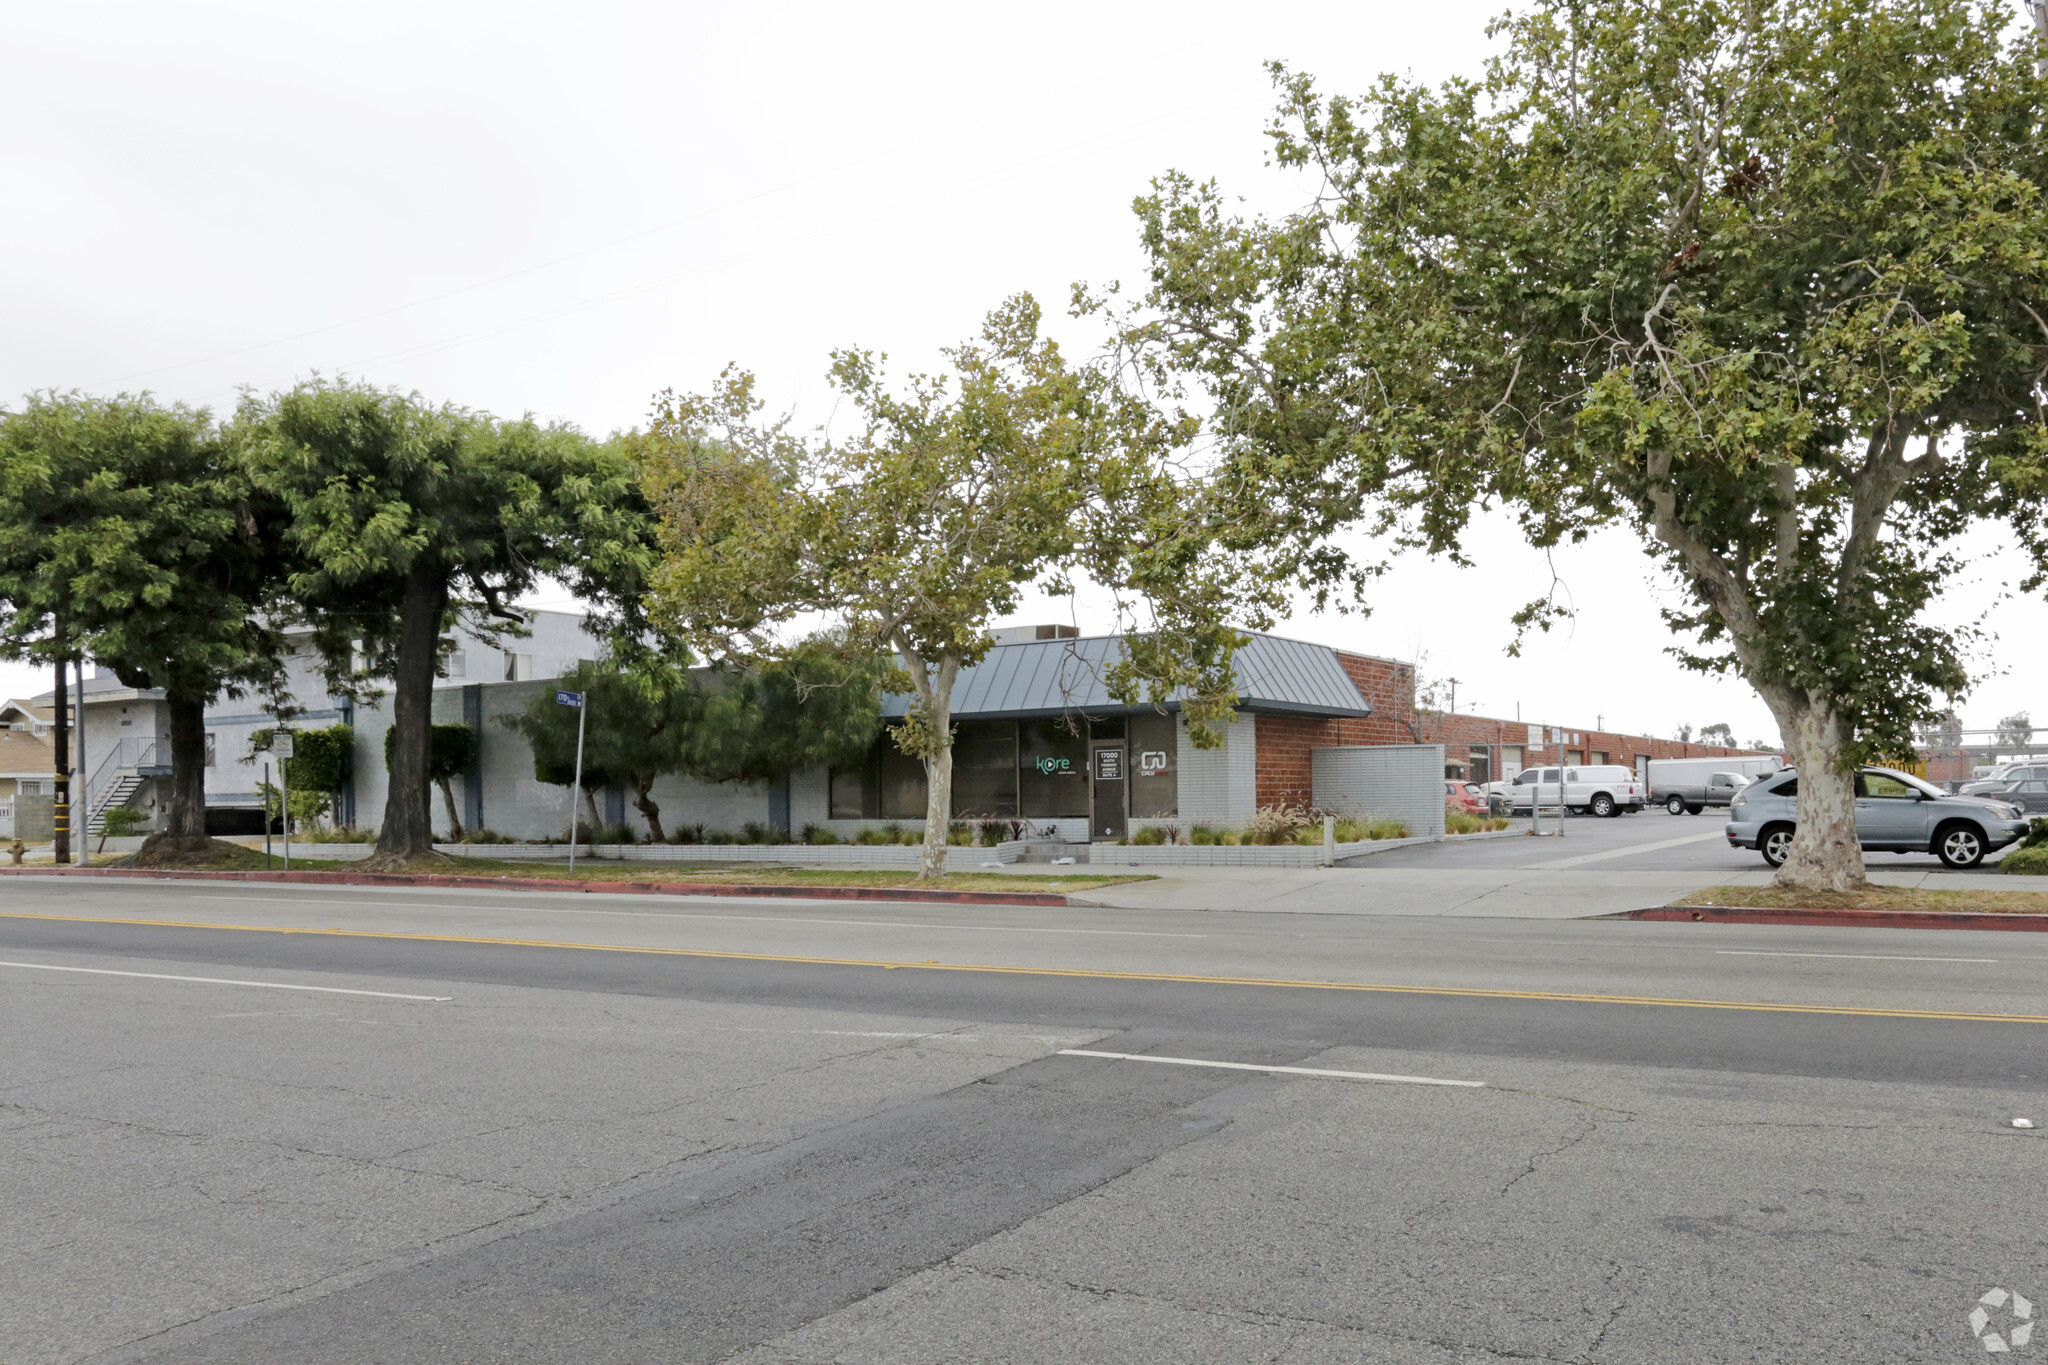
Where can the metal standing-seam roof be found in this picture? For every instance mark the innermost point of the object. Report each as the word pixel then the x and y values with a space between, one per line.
pixel 1033 678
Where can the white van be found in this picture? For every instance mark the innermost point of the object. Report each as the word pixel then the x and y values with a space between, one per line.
pixel 1589 789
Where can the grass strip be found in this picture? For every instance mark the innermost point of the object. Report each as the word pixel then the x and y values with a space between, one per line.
pixel 1874 898
pixel 725 874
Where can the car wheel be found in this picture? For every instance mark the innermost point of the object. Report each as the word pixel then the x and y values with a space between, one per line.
pixel 1675 804
pixel 1959 845
pixel 1694 810
pixel 1603 805
pixel 1774 843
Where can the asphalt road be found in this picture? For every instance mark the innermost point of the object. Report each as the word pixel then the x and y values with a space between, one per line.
pixel 375 1130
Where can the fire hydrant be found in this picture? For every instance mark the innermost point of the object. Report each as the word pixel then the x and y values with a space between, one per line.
pixel 19 850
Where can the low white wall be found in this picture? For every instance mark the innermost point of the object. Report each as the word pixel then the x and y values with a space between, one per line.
pixel 1404 782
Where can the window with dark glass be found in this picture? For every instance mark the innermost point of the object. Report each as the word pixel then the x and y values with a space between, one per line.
pixel 985 770
pixel 1052 770
pixel 902 782
pixel 856 793
pixel 1154 767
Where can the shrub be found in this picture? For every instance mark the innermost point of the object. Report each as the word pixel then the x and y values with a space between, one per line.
pixel 2028 860
pixel 120 821
pixel 1152 834
pixel 1277 824
pixel 484 836
pixel 719 836
pixel 756 832
pixel 1463 822
pixel 990 833
pixel 818 834
pixel 960 834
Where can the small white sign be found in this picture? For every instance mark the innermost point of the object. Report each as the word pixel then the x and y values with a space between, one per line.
pixel 281 744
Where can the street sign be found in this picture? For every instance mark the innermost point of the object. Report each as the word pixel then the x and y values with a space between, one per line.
pixel 281 743
pixel 569 699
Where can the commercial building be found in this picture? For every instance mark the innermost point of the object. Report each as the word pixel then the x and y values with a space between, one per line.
pixel 1039 739
pixel 1489 749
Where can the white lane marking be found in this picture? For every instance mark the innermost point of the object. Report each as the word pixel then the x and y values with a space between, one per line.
pixel 1860 957
pixel 1556 863
pixel 1248 1066
pixel 682 914
pixel 222 981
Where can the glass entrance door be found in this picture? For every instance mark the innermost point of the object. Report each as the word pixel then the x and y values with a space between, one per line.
pixel 1110 782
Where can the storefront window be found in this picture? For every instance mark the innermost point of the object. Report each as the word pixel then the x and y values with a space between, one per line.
pixel 1154 767
pixel 985 770
pixel 1052 770
pixel 902 781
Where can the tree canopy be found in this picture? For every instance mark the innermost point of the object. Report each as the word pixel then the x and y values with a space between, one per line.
pixel 924 525
pixel 127 537
pixel 1765 280
pixel 401 515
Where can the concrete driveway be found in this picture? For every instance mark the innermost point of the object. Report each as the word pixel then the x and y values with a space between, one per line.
pixel 1598 867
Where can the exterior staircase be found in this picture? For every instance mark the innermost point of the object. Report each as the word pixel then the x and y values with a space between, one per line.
pixel 117 793
pixel 119 776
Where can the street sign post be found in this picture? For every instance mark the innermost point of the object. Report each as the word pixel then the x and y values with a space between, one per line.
pixel 281 746
pixel 574 699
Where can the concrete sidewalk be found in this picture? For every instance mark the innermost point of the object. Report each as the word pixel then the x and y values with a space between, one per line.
pixel 1518 893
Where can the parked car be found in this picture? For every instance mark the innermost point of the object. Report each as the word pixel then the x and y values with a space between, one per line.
pixel 2030 796
pixel 2004 778
pixel 1468 797
pixel 1690 785
pixel 1895 813
pixel 1594 789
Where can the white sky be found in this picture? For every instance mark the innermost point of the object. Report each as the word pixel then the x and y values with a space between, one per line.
pixel 563 209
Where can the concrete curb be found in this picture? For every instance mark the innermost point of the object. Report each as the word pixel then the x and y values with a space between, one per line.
pixel 824 893
pixel 1842 919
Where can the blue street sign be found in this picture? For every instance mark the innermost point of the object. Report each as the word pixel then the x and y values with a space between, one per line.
pixel 569 699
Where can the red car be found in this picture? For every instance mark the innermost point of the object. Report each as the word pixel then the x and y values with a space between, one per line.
pixel 1468 797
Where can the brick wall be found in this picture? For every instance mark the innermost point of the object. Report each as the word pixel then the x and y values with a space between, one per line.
pixel 1285 769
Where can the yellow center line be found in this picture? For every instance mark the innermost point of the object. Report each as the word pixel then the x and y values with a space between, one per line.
pixel 1572 997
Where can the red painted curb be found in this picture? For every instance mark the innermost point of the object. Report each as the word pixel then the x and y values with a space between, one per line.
pixel 827 893
pixel 1845 919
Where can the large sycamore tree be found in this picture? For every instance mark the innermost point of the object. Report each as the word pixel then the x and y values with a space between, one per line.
pixel 129 536
pixel 1765 280
pixel 402 515
pixel 927 521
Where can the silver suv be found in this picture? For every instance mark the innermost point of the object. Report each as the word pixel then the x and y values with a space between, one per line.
pixel 1895 813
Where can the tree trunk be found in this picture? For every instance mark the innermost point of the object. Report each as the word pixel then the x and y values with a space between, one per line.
pixel 454 820
pixel 1825 854
pixel 591 818
pixel 938 771
pixel 644 803
pixel 408 830
pixel 186 819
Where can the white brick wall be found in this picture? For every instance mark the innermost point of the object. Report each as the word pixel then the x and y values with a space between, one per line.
pixel 1219 786
pixel 1402 781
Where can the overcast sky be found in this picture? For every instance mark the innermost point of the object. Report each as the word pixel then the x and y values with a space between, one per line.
pixel 564 209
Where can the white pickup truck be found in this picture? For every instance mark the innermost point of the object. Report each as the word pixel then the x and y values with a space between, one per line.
pixel 1590 789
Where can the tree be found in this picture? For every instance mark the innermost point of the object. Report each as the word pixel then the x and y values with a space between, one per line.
pixel 1943 731
pixel 820 704
pixel 128 536
pixel 1765 280
pixel 451 752
pixel 1685 732
pixel 318 768
pixel 1720 732
pixel 2015 731
pixel 921 528
pixel 638 724
pixel 402 515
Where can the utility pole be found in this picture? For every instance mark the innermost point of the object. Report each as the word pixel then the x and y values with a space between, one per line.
pixel 2040 12
pixel 60 843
